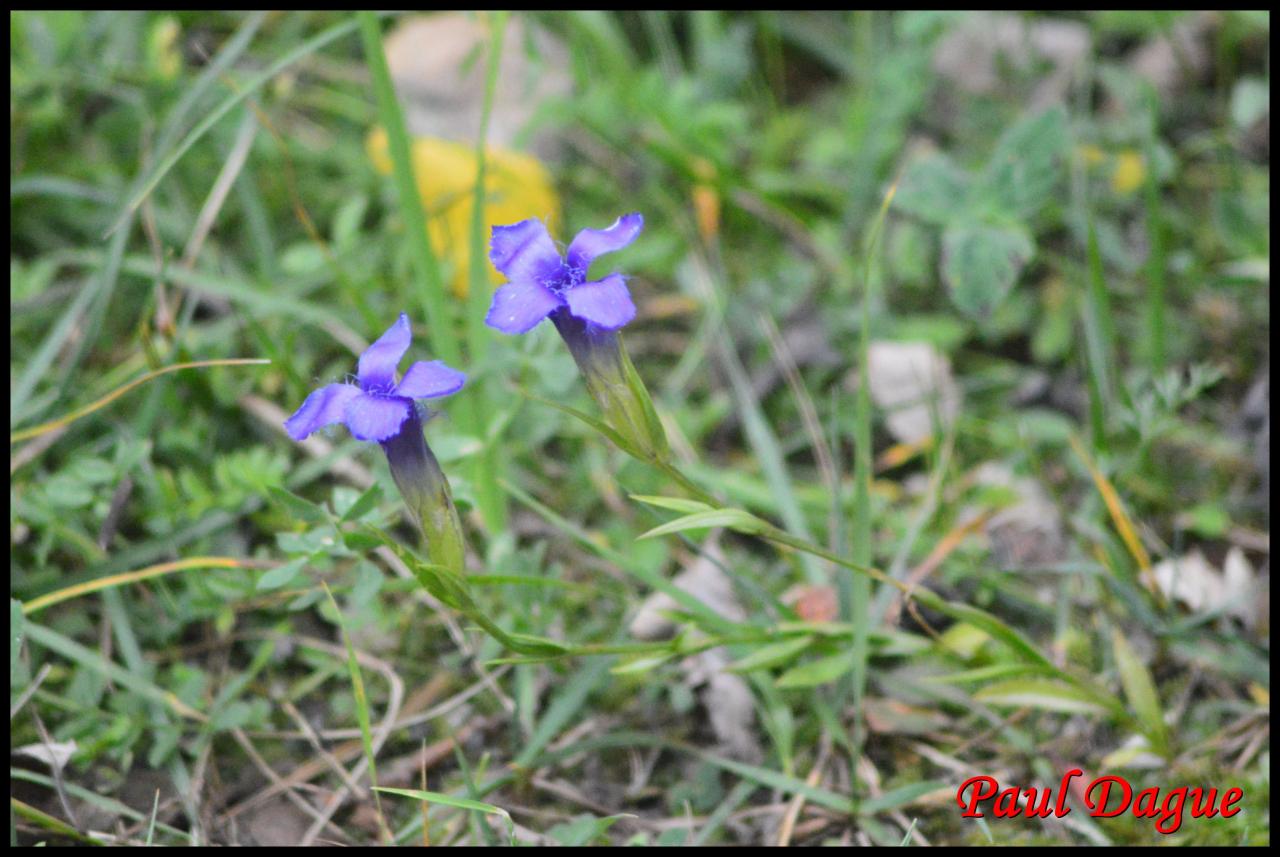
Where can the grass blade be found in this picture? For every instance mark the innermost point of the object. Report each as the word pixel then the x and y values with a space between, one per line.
pixel 489 496
pixel 441 334
pixel 1099 335
pixel 1045 694
pixel 112 581
pixel 446 800
pixel 308 47
pixel 1119 517
pixel 1140 690
pixel 1156 254
pixel 362 709
pixel 91 660
pixel 67 419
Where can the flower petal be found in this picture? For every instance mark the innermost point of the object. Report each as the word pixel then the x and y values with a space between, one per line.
pixel 605 303
pixel 377 369
pixel 524 251
pixel 518 306
pixel 376 417
pixel 323 407
pixel 590 243
pixel 428 380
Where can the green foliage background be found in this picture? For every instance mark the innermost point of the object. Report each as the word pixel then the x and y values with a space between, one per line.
pixel 1098 269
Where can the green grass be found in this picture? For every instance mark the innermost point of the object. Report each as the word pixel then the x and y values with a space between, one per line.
pixel 186 582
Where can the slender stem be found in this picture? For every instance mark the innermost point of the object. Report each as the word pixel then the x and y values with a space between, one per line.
pixel 782 537
pixel 855 592
pixel 489 497
pixel 1155 258
pixel 685 482
pixel 673 647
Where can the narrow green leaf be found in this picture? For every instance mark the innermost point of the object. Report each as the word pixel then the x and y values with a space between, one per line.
pixel 443 337
pixel 92 799
pixel 734 519
pixel 771 655
pixel 442 582
pixel 488 494
pixel 780 781
pixel 524 580
pixel 357 688
pixel 1099 339
pixel 1040 693
pixel 642 665
pixel 899 797
pixel 675 504
pixel 1140 690
pixel 707 617
pixel 653 428
pixel 822 671
pixel 769 453
pixel 242 91
pixel 363 504
pixel 55 826
pixel 980 618
pixel 1157 261
pixel 564 707
pixel 599 425
pixel 531 644
pixel 445 800
pixel 91 660
pixel 16 627
pixel 988 673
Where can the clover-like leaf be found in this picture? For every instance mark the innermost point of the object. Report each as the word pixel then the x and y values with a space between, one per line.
pixel 981 263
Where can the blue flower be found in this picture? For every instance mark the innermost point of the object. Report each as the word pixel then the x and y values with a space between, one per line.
pixel 542 283
pixel 588 316
pixel 377 407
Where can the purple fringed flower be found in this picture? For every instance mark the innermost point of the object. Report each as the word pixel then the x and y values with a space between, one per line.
pixel 542 283
pixel 378 407
pixel 587 315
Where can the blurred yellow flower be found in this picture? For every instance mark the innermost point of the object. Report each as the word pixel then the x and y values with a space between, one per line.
pixel 517 187
pixel 1129 172
pixel 1127 167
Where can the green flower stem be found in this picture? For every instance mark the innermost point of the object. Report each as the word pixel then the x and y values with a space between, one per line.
pixel 676 647
pixel 615 385
pixel 960 612
pixel 426 491
pixel 685 482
